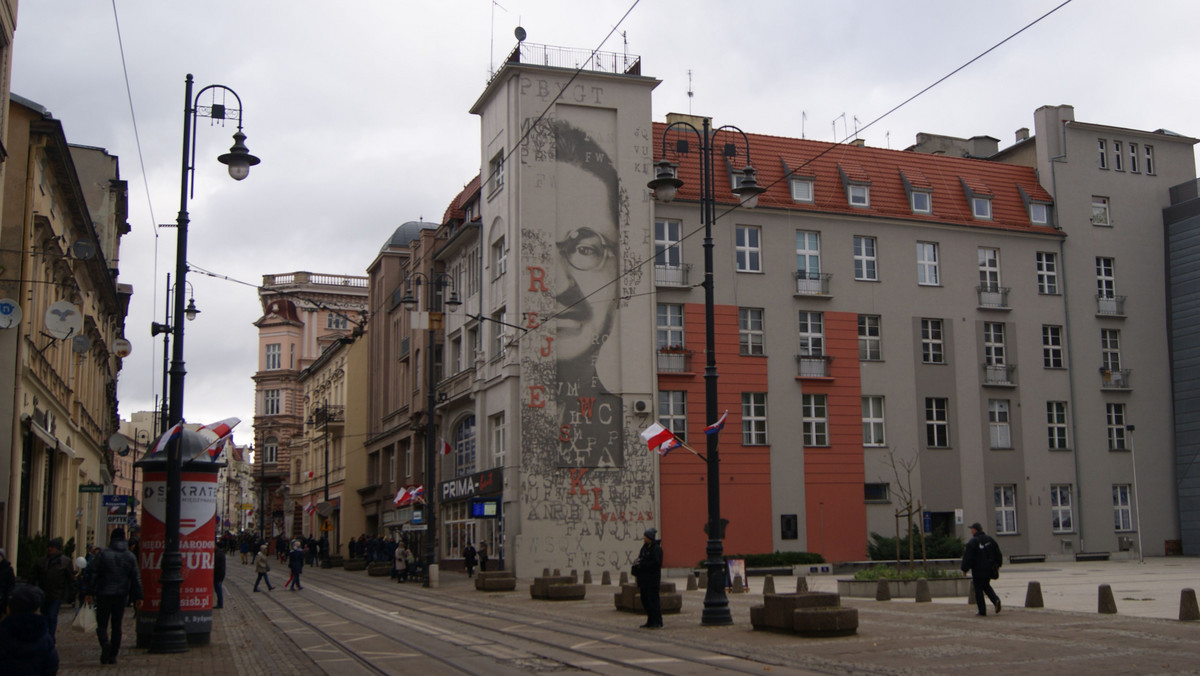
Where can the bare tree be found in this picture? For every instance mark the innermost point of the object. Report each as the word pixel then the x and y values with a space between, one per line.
pixel 902 470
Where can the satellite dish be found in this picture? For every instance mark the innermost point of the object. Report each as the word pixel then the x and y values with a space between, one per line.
pixel 119 444
pixel 80 344
pixel 10 313
pixel 63 319
pixel 520 33
pixel 122 348
pixel 82 250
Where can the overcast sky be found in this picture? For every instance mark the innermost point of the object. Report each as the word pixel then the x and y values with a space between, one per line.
pixel 359 111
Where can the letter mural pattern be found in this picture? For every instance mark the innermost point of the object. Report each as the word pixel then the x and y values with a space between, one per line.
pixel 587 484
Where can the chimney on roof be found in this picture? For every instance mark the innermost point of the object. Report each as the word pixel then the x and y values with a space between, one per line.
pixel 858 143
pixel 1022 134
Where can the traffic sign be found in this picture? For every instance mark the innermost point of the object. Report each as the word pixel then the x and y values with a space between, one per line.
pixel 327 526
pixel 91 488
pixel 115 500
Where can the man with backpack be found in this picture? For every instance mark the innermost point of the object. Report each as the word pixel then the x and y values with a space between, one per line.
pixel 982 558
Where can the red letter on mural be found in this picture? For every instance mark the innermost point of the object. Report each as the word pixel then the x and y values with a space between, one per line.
pixel 535 396
pixel 564 433
pixel 531 321
pixel 596 502
pixel 537 277
pixel 586 406
pixel 546 348
pixel 577 480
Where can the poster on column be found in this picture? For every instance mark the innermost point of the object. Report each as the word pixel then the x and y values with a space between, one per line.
pixel 197 537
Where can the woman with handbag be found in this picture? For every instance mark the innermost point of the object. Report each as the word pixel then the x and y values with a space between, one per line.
pixel 262 566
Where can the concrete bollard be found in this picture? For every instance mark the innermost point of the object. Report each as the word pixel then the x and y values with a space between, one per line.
pixel 923 594
pixel 1033 595
pixel 587 577
pixel 801 584
pixel 1108 605
pixel 739 587
pixel 606 578
pixel 691 585
pixel 545 572
pixel 1188 610
pixel 557 572
pixel 883 592
pixel 703 579
pixel 769 585
pixel 574 576
pixel 624 578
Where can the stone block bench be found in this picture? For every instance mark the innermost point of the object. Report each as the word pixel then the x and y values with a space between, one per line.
pixel 495 580
pixel 355 564
pixel 1027 558
pixel 629 599
pixel 379 569
pixel 1091 556
pixel 811 614
pixel 557 588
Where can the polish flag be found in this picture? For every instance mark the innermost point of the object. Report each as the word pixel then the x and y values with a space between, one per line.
pixel 656 435
pixel 445 447
pixel 310 474
pixel 400 496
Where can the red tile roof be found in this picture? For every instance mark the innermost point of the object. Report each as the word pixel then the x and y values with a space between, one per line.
pixel 455 210
pixel 943 176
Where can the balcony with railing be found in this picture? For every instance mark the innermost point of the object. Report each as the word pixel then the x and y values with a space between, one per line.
pixel 573 59
pixel 1110 306
pixel 1115 380
pixel 812 283
pixel 812 365
pixel 671 275
pixel 999 375
pixel 992 297
pixel 674 360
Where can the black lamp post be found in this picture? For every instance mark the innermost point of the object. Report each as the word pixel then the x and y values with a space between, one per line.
pixel 167 328
pixel 433 282
pixel 321 415
pixel 169 635
pixel 665 185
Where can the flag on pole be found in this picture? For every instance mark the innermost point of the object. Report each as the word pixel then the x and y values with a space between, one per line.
pixel 310 474
pixel 417 494
pixel 175 432
pixel 399 500
pixel 655 435
pixel 445 447
pixel 717 426
pixel 669 445
pixel 308 507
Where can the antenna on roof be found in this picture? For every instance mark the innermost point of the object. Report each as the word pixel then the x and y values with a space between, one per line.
pixel 690 92
pixel 841 117
pixel 803 119
pixel 887 139
pixel 856 126
pixel 492 46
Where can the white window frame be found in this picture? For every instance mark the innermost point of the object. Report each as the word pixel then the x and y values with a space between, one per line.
pixel 1052 346
pixel 1118 156
pixel 803 190
pixel 1004 500
pixel 1062 513
pixel 668 252
pixel 989 269
pixel 1122 508
pixel 1133 158
pixel 272 402
pixel 1114 422
pixel 672 411
pixel 921 201
pixel 1057 438
pixel 496 173
pixel 499 258
pixel 999 424
pixel 1039 214
pixel 866 261
pixel 808 254
pixel 497 425
pixel 814 420
pixel 858 195
pixel 754 418
pixel 1149 164
pixel 336 322
pixel 937 422
pixel 1047 273
pixel 981 208
pixel 748 254
pixel 1110 349
pixel 274 357
pixel 1102 146
pixel 751 334
pixel 500 333
pixel 995 352
pixel 870 338
pixel 928 272
pixel 811 330
pixel 669 330
pixel 1106 277
pixel 933 341
pixel 271 450
pixel 1101 216
pixel 873 422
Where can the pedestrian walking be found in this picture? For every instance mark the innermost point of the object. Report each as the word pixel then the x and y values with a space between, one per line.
pixel 8 580
pixel 113 579
pixel 470 558
pixel 245 547
pixel 483 555
pixel 219 577
pixel 647 570
pixel 262 566
pixel 296 564
pixel 54 574
pixel 25 643
pixel 982 559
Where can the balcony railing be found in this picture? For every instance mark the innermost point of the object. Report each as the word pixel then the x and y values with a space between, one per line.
pixel 993 297
pixel 812 365
pixel 812 283
pixel 998 374
pixel 674 361
pixel 1110 306
pixel 671 275
pixel 1114 380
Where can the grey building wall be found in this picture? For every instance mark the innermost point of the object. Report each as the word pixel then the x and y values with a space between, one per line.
pixel 1182 221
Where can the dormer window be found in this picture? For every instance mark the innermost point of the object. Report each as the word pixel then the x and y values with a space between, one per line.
pixel 981 207
pixel 802 190
pixel 1039 214
pixel 858 195
pixel 921 202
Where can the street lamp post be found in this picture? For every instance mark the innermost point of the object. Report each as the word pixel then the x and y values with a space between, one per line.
pixel 169 635
pixel 665 185
pixel 322 414
pixel 167 328
pixel 432 283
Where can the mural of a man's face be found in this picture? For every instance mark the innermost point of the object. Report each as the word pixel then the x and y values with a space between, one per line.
pixel 587 236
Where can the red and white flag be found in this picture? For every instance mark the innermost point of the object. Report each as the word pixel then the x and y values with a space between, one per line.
pixel 656 435
pixel 445 447
pixel 308 507
pixel 400 498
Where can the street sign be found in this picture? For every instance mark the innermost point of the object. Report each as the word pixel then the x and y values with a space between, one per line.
pixel 115 500
pixel 91 488
pixel 410 528
pixel 327 526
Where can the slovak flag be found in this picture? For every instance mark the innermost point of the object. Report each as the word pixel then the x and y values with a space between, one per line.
pixel 308 507
pixel 669 445
pixel 175 432
pixel 717 426
pixel 417 494
pixel 656 435
pixel 445 447
pixel 401 497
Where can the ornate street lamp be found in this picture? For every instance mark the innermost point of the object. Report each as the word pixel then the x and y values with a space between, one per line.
pixel 665 186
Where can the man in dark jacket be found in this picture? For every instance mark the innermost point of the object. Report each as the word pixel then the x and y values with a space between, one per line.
pixel 54 574
pixel 114 579
pixel 219 577
pixel 648 571
pixel 25 644
pixel 296 565
pixel 982 559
